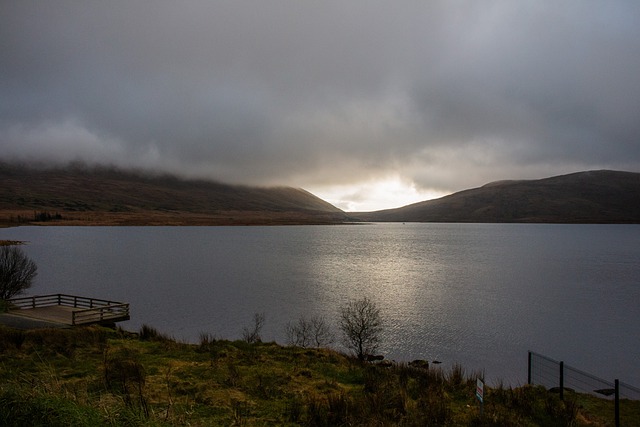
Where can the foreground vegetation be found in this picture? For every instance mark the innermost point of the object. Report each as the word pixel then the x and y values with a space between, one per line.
pixel 96 376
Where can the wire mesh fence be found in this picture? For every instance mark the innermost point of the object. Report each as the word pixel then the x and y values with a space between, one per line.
pixel 556 375
pixel 543 370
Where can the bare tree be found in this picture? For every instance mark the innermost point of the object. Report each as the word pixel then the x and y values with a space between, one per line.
pixel 309 332
pixel 251 334
pixel 16 271
pixel 361 325
pixel 299 333
pixel 321 334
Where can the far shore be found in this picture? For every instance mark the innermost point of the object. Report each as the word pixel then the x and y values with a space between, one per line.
pixel 11 242
pixel 15 218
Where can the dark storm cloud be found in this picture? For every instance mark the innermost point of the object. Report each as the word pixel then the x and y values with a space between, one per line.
pixel 448 94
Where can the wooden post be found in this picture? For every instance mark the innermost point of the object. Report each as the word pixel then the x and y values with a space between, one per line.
pixel 529 370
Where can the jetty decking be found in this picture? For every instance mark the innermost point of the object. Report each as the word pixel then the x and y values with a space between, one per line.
pixel 69 309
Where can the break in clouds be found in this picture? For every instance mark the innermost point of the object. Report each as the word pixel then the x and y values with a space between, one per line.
pixel 441 96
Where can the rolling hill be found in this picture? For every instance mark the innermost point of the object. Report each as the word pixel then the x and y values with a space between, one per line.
pixel 81 195
pixel 103 195
pixel 584 197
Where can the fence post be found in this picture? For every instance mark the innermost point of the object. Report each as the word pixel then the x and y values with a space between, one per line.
pixel 529 369
pixel 561 380
pixel 617 402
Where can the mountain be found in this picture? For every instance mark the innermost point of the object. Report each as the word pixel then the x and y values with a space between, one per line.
pixel 81 195
pixel 103 195
pixel 584 197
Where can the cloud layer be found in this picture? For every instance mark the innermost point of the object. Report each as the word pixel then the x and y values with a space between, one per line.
pixel 440 95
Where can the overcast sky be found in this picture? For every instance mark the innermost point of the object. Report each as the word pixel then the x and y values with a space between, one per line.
pixel 367 104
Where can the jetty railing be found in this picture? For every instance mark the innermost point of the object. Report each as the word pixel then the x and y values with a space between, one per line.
pixel 557 375
pixel 89 310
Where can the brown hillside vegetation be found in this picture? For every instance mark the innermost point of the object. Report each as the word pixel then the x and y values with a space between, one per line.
pixel 80 195
pixel 584 197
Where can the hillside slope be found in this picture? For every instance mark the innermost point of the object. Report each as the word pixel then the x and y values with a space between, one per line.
pixel 583 197
pixel 113 195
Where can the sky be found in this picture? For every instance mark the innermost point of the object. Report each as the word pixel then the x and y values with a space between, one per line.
pixel 367 104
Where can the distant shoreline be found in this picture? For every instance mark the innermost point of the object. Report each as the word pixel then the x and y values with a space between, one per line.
pixel 11 242
pixel 16 218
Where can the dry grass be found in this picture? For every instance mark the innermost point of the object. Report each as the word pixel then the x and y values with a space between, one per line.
pixel 96 376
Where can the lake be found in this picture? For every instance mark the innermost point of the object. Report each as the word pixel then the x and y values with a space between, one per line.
pixel 478 294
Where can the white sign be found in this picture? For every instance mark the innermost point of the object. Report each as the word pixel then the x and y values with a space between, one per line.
pixel 479 389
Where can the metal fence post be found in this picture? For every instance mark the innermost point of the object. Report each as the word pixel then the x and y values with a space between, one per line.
pixel 617 402
pixel 529 369
pixel 561 380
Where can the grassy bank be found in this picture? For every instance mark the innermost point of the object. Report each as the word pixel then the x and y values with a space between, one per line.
pixel 96 376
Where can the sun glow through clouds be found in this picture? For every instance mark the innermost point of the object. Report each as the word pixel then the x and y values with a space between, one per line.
pixel 376 195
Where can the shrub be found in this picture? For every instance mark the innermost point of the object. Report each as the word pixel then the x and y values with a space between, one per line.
pixel 309 332
pixel 251 334
pixel 207 342
pixel 11 338
pixel 17 271
pixel 149 333
pixel 124 375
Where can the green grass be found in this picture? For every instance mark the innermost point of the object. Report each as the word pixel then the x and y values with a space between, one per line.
pixel 95 376
pixel 20 409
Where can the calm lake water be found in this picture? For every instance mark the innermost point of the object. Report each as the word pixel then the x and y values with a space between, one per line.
pixel 477 294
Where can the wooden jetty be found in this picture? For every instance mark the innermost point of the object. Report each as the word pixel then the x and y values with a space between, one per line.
pixel 69 310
